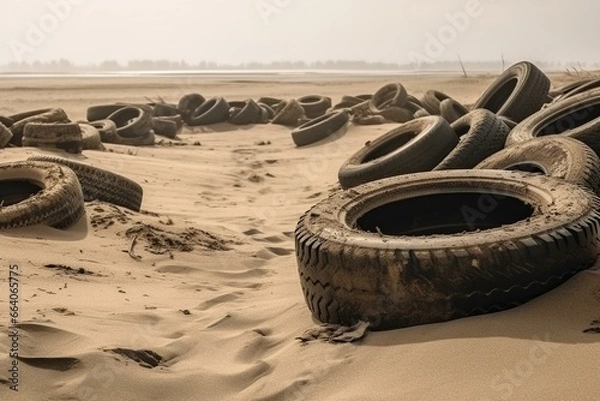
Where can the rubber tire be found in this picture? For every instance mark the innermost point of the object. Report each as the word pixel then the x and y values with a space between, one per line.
pixel 568 112
pixel 64 136
pixel 389 95
pixel 416 146
pixel 59 204
pixel 370 120
pixel 244 113
pixel 100 184
pixel 213 111
pixel 391 281
pixel 165 110
pixel 272 102
pixel 554 93
pixel 107 130
pixel 149 139
pixel 529 94
pixel 90 137
pixel 50 116
pixel 431 101
pixel 132 122
pixel 165 126
pixel 266 113
pixel 102 111
pixel 347 101
pixel 315 106
pixel 27 114
pixel 190 102
pixel 559 157
pixel 288 113
pixel 452 110
pixel 5 136
pixel 593 84
pixel 319 128
pixel 396 114
pixel 481 135
pixel 6 121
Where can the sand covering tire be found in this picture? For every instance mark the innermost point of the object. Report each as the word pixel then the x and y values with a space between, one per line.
pixel 37 116
pixel 102 185
pixel 481 134
pixel 416 146
pixel 560 157
pixel 288 113
pixel 190 102
pixel 517 93
pixel 90 137
pixel 39 193
pixel 166 126
pixel 64 136
pixel 431 247
pixel 107 130
pixel 576 117
pixel 319 128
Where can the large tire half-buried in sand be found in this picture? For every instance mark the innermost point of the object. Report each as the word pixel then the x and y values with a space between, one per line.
pixel 435 246
pixel 34 192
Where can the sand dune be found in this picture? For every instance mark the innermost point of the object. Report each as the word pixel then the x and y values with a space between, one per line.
pixel 207 304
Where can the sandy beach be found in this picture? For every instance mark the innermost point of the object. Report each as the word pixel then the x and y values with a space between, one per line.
pixel 207 305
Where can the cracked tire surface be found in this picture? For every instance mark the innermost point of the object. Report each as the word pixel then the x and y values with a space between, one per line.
pixel 100 184
pixel 393 280
pixel 57 201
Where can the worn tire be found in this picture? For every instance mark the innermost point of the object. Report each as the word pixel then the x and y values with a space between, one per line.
pixel 559 157
pixel 452 110
pixel 244 113
pixel 107 130
pixel 39 193
pixel 148 139
pixel 165 126
pixel 288 113
pixel 90 137
pixel 347 101
pixel 102 185
pixel 315 106
pixel 416 146
pixel 517 93
pixel 481 135
pixel 369 120
pixel 266 113
pixel 396 114
pixel 49 116
pixel 556 92
pixel 64 136
pixel 165 110
pixel 5 136
pixel 390 95
pixel 213 111
pixel 576 117
pixel 132 122
pixel 319 128
pixel 190 102
pixel 27 114
pixel 431 101
pixel 402 251
pixel 102 111
pixel 6 121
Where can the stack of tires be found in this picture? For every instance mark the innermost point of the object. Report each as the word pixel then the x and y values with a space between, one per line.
pixel 439 220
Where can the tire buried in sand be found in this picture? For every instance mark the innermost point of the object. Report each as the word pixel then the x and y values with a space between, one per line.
pixel 39 193
pixel 213 111
pixel 64 136
pixel 102 185
pixel 436 246
pixel 418 145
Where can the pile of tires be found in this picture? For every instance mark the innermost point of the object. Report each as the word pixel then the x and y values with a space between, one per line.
pixel 439 219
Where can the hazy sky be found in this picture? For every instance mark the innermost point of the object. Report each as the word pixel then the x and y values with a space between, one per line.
pixel 234 31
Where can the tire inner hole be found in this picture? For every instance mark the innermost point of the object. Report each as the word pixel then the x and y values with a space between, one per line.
pixel 499 98
pixel 444 214
pixel 572 120
pixel 15 191
pixel 388 147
